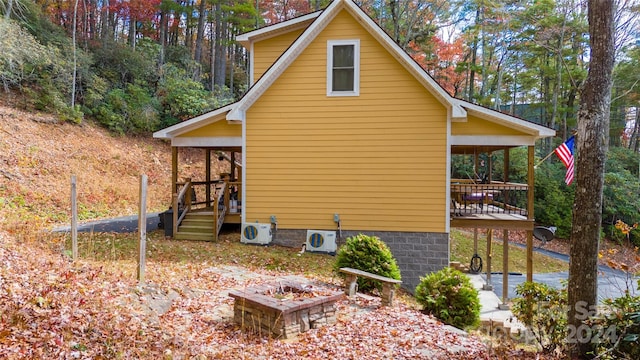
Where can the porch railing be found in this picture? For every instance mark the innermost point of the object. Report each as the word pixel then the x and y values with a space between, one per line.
pixel 468 197
pixel 222 196
pixel 181 204
pixel 219 209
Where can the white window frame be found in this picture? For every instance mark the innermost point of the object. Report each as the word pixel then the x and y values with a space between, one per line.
pixel 356 67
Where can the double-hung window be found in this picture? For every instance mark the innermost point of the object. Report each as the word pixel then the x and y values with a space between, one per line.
pixel 343 68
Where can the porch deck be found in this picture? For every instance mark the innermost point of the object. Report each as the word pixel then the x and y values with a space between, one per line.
pixel 495 220
pixel 498 205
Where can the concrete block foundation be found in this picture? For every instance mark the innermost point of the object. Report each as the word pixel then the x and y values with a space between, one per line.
pixel 417 253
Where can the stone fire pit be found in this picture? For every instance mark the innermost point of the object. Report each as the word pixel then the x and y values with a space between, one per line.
pixel 283 310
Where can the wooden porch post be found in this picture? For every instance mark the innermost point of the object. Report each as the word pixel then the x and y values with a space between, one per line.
pixel 233 166
pixel 487 285
pixel 208 177
pixel 174 169
pixel 490 166
pixel 505 240
pixel 505 176
pixel 505 266
pixel 476 163
pixel 530 199
pixel 506 173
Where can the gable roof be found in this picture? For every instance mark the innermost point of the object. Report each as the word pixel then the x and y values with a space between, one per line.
pixel 321 22
pixel 316 22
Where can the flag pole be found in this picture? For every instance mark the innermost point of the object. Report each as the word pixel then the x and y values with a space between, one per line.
pixel 545 158
pixel 574 133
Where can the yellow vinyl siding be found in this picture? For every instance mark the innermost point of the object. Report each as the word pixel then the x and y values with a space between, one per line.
pixel 476 126
pixel 378 159
pixel 220 128
pixel 266 52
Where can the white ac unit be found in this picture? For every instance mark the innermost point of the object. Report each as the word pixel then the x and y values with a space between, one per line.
pixel 256 233
pixel 321 241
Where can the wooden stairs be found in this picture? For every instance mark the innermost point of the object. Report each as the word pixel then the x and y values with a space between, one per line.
pixel 197 225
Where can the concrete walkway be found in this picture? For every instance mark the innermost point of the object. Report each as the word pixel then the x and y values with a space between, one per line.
pixel 492 314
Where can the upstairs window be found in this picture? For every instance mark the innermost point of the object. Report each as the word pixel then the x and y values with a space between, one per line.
pixel 343 68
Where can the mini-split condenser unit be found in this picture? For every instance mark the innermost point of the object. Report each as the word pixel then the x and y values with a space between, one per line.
pixel 321 241
pixel 256 233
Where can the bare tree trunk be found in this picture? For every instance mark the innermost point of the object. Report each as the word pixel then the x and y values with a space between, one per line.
pixel 7 15
pixel 132 32
pixel 220 60
pixel 104 22
pixel 498 102
pixel 188 32
pixel 197 56
pixel 474 55
pixel 162 36
pixel 75 57
pixel 394 6
pixel 592 144
pixel 634 142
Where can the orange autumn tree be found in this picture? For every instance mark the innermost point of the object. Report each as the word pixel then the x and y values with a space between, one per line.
pixel 441 59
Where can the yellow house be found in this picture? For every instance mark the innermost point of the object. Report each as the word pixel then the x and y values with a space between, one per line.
pixel 341 130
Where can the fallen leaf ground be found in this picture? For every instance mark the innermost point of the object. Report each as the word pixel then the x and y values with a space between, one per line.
pixel 53 308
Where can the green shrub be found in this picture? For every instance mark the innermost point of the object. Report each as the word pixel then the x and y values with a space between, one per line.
pixel 618 328
pixel 130 110
pixel 367 253
pixel 450 296
pixel 542 309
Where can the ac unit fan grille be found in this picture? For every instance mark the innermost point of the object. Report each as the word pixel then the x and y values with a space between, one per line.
pixel 250 232
pixel 316 240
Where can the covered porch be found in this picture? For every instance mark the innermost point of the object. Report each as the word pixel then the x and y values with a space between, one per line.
pixel 205 205
pixel 199 207
pixel 489 200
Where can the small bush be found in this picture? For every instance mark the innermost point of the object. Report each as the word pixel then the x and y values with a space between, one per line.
pixel 367 253
pixel 450 296
pixel 618 328
pixel 542 309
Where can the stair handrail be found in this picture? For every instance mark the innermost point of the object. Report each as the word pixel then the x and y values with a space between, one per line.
pixel 218 214
pixel 181 199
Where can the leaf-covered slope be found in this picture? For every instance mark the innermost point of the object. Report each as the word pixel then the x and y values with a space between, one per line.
pixel 38 155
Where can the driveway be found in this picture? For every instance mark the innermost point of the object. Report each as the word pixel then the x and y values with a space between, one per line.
pixel 123 224
pixel 611 283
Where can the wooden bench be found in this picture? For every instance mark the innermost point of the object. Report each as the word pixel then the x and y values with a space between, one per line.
pixel 388 284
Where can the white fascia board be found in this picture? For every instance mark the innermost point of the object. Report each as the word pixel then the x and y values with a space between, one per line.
pixel 251 66
pixel 283 62
pixel 237 115
pixel 447 185
pixel 192 124
pixel 276 29
pixel 507 120
pixel 220 141
pixel 493 140
pixel 457 112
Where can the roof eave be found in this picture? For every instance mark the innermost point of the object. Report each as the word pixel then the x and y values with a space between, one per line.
pixel 192 124
pixel 539 131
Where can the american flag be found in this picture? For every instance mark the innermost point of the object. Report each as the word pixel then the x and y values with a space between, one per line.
pixel 565 153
